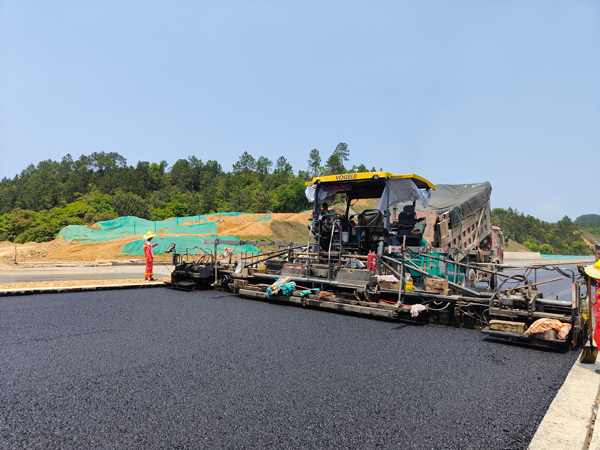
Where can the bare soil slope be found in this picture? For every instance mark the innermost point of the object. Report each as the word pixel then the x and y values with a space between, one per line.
pixel 60 250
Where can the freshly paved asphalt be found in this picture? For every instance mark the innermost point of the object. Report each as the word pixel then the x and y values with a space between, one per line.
pixel 158 368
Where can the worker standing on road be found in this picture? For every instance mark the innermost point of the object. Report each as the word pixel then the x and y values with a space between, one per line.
pixel 149 254
pixel 593 271
pixel 597 251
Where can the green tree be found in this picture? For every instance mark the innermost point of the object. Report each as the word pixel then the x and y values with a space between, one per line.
pixel 291 197
pixel 157 176
pixel 245 164
pixel 335 163
pixel 262 199
pixel 314 163
pixel 104 162
pixel 588 221
pixel 531 246
pixel 283 166
pixel 263 165
pixel 240 199
pixel 182 175
pixel 131 205
pixel 342 151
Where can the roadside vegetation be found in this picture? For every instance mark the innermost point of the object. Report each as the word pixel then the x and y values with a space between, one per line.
pixel 36 204
pixel 565 237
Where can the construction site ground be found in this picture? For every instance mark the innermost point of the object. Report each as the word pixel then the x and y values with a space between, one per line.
pixel 62 263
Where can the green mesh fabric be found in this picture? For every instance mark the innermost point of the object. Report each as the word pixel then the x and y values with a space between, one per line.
pixel 188 244
pixel 131 226
pixel 85 234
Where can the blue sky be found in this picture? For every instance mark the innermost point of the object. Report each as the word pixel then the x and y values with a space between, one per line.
pixel 457 92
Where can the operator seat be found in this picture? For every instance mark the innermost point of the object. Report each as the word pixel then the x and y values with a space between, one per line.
pixel 371 229
pixel 405 227
pixel 407 218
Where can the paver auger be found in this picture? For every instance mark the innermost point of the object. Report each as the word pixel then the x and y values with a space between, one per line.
pixel 441 239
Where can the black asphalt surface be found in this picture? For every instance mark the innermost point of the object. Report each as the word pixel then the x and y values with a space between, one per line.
pixel 163 369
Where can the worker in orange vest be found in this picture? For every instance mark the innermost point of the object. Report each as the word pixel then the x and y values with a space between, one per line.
pixel 149 254
pixel 227 253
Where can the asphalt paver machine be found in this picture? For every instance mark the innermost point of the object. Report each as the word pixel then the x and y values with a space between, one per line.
pixel 424 253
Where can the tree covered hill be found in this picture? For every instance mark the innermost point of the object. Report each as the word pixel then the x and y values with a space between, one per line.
pixel 42 199
pixel 564 237
pixel 590 222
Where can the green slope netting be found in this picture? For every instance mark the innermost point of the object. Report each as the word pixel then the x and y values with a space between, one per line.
pixel 187 244
pixel 131 226
pixel 137 227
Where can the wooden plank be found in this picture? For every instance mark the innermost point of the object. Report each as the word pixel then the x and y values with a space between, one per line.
pixel 504 325
pixel 435 284
pixel 374 309
pixel 368 311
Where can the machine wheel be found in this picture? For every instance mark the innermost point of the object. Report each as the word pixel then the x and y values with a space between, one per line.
pixel 493 282
pixel 371 296
pixel 470 278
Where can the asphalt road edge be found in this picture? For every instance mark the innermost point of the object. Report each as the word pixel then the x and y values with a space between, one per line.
pixel 569 421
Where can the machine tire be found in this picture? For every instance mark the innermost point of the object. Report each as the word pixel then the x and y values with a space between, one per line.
pixel 493 281
pixel 470 278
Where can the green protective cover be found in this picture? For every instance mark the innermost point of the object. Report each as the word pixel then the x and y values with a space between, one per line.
pixel 192 245
pixel 131 226
pixel 200 227
pixel 432 266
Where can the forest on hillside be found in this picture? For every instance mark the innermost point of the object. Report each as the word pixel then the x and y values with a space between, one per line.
pixel 42 199
pixel 565 237
pixel 36 204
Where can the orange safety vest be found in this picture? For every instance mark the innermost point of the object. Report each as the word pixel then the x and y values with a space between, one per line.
pixel 149 250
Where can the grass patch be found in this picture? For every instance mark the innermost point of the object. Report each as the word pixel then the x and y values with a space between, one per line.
pixel 514 246
pixel 590 239
pixel 290 231
pixel 281 231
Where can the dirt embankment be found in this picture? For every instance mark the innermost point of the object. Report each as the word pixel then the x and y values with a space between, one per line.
pixel 61 250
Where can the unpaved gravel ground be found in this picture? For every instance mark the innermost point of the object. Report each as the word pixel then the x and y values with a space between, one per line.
pixel 163 369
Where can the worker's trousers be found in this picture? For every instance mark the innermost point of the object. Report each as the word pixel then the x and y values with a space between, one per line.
pixel 149 269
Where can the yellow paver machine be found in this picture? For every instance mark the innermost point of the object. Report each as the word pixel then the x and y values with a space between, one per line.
pixel 396 247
